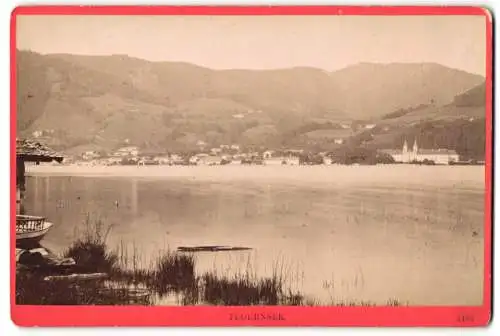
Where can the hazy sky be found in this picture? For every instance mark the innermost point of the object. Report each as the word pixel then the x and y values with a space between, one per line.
pixel 262 42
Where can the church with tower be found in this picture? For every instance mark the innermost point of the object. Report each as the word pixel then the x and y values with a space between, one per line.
pixel 416 154
pixel 409 155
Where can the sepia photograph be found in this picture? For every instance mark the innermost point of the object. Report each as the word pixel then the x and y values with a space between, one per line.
pixel 255 160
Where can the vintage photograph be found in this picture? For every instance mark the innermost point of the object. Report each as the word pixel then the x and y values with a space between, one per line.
pixel 333 160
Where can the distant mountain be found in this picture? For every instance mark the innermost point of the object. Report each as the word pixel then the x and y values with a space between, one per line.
pixel 459 125
pixel 475 97
pixel 469 104
pixel 371 90
pixel 82 102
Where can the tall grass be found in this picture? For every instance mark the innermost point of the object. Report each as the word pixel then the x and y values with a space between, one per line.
pixel 240 291
pixel 173 271
pixel 90 251
pixel 170 272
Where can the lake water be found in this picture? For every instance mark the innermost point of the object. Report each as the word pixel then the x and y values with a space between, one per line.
pixel 360 233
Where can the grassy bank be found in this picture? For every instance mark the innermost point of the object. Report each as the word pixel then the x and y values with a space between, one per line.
pixel 171 273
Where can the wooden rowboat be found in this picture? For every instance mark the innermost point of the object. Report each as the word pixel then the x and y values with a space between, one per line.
pixel 31 229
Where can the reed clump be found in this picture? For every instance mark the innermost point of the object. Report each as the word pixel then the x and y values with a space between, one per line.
pixel 90 251
pixel 173 271
pixel 240 290
pixel 170 272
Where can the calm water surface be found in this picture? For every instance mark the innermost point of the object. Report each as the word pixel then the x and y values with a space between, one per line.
pixel 373 233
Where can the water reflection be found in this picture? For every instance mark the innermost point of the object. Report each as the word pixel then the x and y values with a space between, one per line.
pixel 410 241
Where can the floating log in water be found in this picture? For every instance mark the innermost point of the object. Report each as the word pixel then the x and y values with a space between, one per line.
pixel 211 248
pixel 125 295
pixel 76 277
pixel 133 293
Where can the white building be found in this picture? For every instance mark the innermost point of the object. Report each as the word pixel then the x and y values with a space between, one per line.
pixel 175 157
pixel 37 134
pixel 327 160
pixel 275 161
pixel 90 155
pixel 215 151
pixel 438 156
pixel 210 160
pixel 163 160
pixel 127 151
pixel 268 154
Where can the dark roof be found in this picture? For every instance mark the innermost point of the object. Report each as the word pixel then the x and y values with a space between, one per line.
pixel 391 151
pixel 422 151
pixel 441 151
pixel 34 151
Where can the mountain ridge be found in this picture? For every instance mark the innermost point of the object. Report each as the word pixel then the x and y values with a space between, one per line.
pixel 361 63
pixel 103 100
